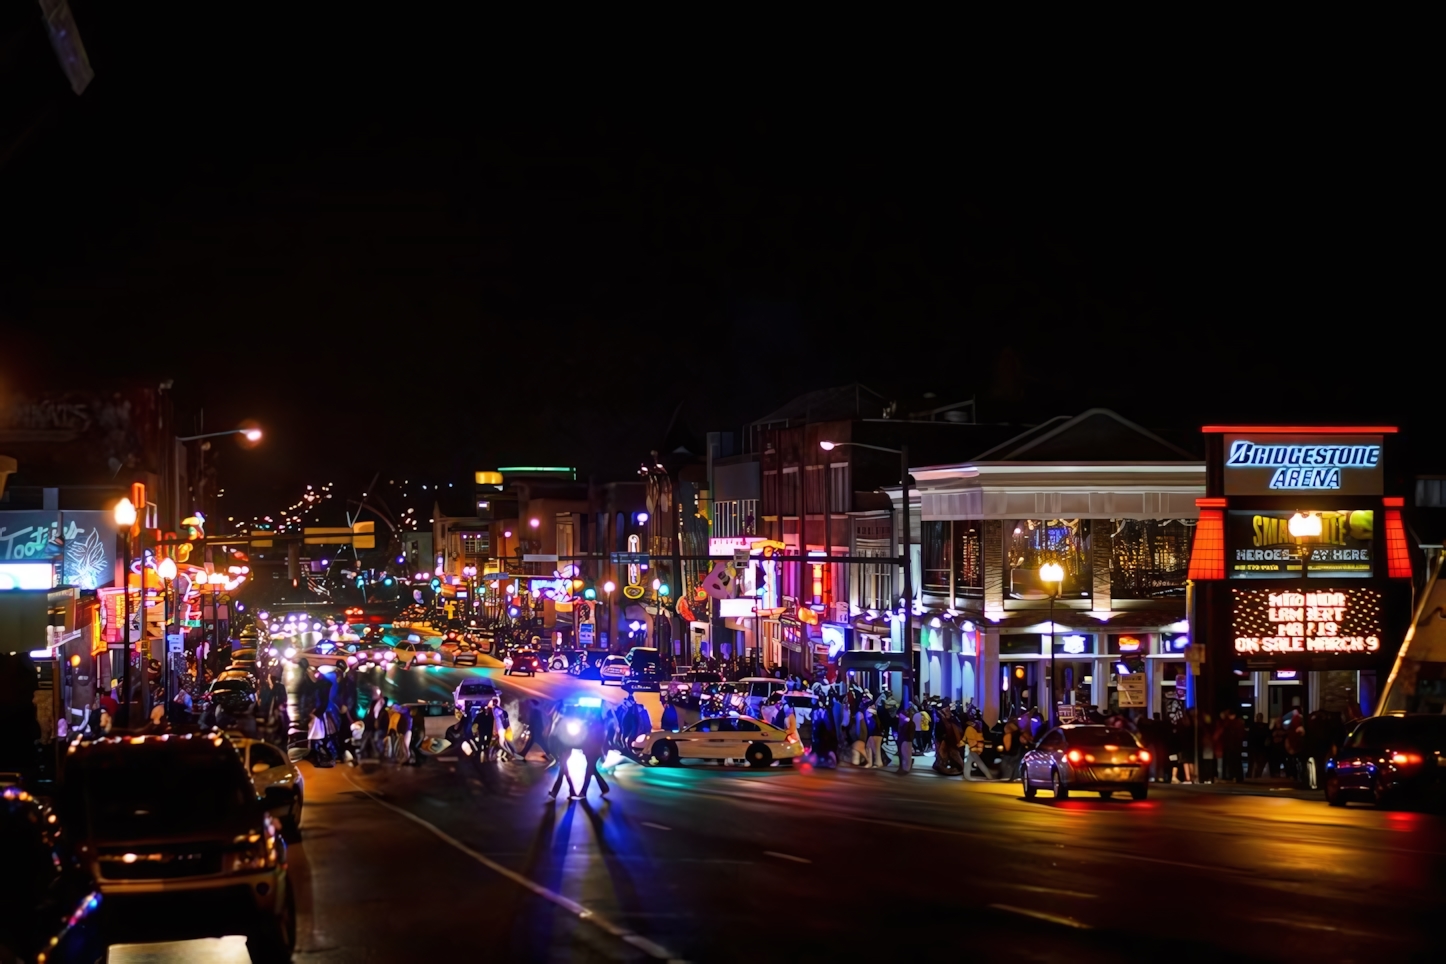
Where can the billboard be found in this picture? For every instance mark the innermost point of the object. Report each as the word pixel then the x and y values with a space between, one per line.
pixel 1269 464
pixel 1288 544
pixel 80 544
pixel 1332 621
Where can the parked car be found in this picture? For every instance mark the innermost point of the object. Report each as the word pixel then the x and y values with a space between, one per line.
pixel 803 704
pixel 1086 757
pixel 464 654
pixel 409 654
pixel 522 661
pixel 166 822
pixel 614 669
pixel 270 768
pixel 49 902
pixel 472 691
pixel 588 664
pixel 756 690
pixel 233 690
pixel 645 669
pixel 1390 760
pixel 720 738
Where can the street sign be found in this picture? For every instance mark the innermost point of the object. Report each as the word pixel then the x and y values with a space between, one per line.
pixel 629 558
pixel 585 634
pixel 1132 691
pixel 740 559
pixel 175 643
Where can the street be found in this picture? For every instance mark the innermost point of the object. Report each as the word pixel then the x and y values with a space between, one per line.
pixel 713 863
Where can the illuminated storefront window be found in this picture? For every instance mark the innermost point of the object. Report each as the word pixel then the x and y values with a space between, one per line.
pixel 1149 557
pixel 1030 543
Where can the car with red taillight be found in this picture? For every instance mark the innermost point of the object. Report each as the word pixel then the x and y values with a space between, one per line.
pixel 1388 760
pixel 1086 757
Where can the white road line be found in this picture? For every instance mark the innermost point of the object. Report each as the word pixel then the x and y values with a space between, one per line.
pixel 566 903
pixel 1313 926
pixel 797 860
pixel 1041 915
pixel 1045 890
pixel 655 826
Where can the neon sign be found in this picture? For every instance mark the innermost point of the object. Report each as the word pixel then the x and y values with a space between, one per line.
pixel 1294 463
pixel 1336 621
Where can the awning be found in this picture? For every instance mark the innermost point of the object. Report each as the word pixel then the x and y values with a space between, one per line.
pixel 870 659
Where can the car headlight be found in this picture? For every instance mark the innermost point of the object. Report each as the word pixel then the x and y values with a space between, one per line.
pixel 258 851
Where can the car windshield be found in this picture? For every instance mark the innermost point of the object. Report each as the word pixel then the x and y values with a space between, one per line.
pixel 134 796
pixel 1100 736
pixel 1425 732
pixel 473 689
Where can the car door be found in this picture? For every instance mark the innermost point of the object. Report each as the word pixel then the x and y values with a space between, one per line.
pixel 746 732
pixel 696 742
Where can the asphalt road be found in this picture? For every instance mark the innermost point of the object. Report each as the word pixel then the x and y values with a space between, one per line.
pixel 711 863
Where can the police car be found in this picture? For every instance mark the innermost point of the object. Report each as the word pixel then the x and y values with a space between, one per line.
pixel 720 738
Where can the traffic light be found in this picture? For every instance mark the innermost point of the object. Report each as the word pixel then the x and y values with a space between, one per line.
pixel 589 593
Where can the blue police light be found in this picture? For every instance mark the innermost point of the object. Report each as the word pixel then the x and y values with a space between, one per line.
pixel 388 581
pixel 589 701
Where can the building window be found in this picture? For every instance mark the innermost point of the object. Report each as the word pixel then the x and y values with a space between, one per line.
pixel 475 545
pixel 788 503
pixel 748 517
pixel 771 494
pixel 566 548
pixel 1149 558
pixel 956 545
pixel 725 518
pixel 1430 492
pixel 1030 543
pixel 840 499
pixel 813 489
pixel 876 580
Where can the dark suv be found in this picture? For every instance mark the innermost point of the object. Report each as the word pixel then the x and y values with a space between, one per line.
pixel 1391 759
pixel 183 848
pixel 48 902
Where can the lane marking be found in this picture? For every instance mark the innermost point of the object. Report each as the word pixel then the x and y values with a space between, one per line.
pixel 655 826
pixel 1046 890
pixel 579 911
pixel 1312 926
pixel 1041 915
pixel 797 860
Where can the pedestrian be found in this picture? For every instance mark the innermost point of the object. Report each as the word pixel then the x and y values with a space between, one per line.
pixel 1012 741
pixel 157 724
pixel 670 718
pixel 874 738
pixel 922 725
pixel 500 725
pixel 859 744
pixel 904 738
pixel 973 747
pixel 533 716
pixel 594 745
pixel 316 736
pixel 402 733
pixel 369 729
pixel 1258 742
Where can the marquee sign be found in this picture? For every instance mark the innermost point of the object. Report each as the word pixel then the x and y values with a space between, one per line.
pixel 1332 621
pixel 1286 544
pixel 1268 464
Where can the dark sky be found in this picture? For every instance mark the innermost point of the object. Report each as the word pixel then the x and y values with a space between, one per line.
pixel 417 245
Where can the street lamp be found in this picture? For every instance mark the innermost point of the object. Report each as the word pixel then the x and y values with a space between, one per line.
pixel 251 433
pixel 905 558
pixel 215 580
pixel 125 517
pixel 166 569
pixel 1052 572
pixel 608 588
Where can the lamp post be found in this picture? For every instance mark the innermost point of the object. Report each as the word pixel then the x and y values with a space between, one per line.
pixel 1052 572
pixel 166 569
pixel 125 517
pixel 608 588
pixel 251 434
pixel 906 558
pixel 214 580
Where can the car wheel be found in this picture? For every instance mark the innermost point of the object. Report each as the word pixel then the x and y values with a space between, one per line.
pixel 666 753
pixel 1061 792
pixel 1333 794
pixel 1106 794
pixel 1029 790
pixel 1381 795
pixel 275 938
pixel 758 755
pixel 291 823
pixel 558 665
pixel 1139 792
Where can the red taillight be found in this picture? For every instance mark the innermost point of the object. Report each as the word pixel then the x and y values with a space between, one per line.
pixel 1405 759
pixel 1073 756
pixel 1144 756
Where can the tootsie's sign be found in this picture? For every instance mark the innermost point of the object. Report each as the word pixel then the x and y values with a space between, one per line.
pixel 1286 464
pixel 1332 621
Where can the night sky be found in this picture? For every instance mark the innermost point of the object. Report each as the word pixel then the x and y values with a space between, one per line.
pixel 421 246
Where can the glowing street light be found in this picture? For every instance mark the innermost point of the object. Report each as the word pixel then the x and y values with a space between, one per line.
pixel 1052 572
pixel 125 517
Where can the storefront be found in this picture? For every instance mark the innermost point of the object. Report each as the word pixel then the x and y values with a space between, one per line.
pixel 1301 569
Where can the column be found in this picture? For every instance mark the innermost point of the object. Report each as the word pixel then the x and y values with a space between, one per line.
pixel 1101 550
pixel 994 569
pixel 1100 687
pixel 988 683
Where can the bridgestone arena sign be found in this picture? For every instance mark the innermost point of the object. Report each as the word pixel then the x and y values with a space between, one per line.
pixel 1279 464
pixel 1337 621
